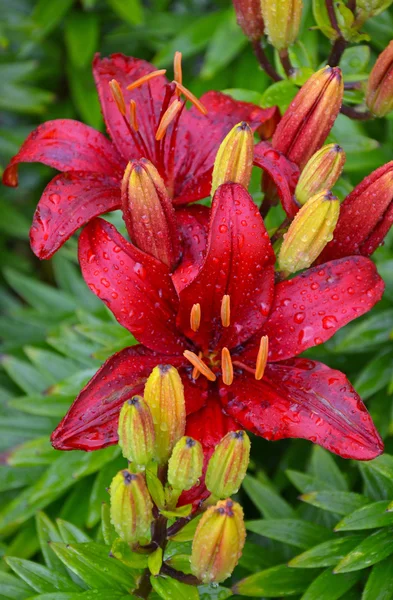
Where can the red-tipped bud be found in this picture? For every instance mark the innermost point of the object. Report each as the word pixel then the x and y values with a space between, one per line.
pixel 136 432
pixel 366 216
pixel 379 94
pixel 282 21
pixel 228 464
pixel 164 394
pixel 320 173
pixel 310 116
pixel 148 212
pixel 218 542
pixel 249 18
pixel 131 507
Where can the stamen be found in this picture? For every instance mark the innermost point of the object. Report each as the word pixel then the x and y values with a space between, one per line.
pixel 118 96
pixel 138 82
pixel 195 317
pixel 167 118
pixel 178 73
pixel 193 99
pixel 195 373
pixel 133 119
pixel 262 357
pixel 226 310
pixel 226 366
pixel 199 364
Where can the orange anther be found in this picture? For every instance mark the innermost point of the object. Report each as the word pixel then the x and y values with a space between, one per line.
pixel 195 317
pixel 199 365
pixel 226 366
pixel 167 118
pixel 178 74
pixel 226 310
pixel 262 357
pixel 138 82
pixel 133 118
pixel 118 96
pixel 193 99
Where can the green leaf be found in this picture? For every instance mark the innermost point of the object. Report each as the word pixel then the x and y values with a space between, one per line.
pixel 367 517
pixel 154 561
pixel 84 95
pixel 169 589
pixel 279 94
pixel 325 468
pixel 329 586
pixel 122 551
pixel 373 549
pixel 300 534
pixel 182 511
pixel 379 585
pixel 108 531
pixel 341 503
pixel 81 36
pixel 375 375
pixel 92 564
pixel 24 375
pixel 307 483
pixel 130 11
pixel 47 15
pixel 326 554
pixel 275 582
pixel 155 488
pixel 216 592
pixel 48 532
pixel 70 533
pixel 355 60
pixel 45 406
pixel 266 499
pixel 35 452
pixel 322 19
pixel 219 53
pixel 13 588
pixel 99 492
pixel 371 332
pixel 377 486
pixel 40 578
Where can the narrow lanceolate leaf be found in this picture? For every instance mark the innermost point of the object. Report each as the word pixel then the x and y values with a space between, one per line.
pixel 13 587
pixel 370 551
pixel 168 589
pixel 301 534
pixel 379 585
pixel 48 532
pixel 93 565
pixel 367 517
pixel 341 503
pixel 40 578
pixel 329 586
pixel 266 499
pixel 325 468
pixel 326 554
pixel 275 582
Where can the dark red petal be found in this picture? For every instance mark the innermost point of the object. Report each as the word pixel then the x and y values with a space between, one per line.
pixel 282 171
pixel 91 422
pixel 193 224
pixel 148 98
pixel 200 136
pixel 305 399
pixel 67 145
pixel 239 262
pixel 135 286
pixel 366 216
pixel 70 201
pixel 310 308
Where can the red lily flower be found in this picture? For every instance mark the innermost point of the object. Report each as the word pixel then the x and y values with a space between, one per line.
pixel 232 334
pixel 147 121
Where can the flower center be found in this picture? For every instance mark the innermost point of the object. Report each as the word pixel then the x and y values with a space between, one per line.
pixel 224 363
pixel 163 154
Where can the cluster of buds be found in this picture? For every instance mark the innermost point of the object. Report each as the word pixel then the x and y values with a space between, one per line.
pixel 164 464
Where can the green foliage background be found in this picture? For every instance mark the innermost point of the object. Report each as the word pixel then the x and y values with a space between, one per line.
pixel 55 333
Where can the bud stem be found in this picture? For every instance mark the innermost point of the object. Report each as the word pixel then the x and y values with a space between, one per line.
pixel 264 61
pixel 352 113
pixel 286 62
pixel 175 574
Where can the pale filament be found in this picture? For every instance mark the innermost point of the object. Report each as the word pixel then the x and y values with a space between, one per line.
pixel 195 372
pixel 193 99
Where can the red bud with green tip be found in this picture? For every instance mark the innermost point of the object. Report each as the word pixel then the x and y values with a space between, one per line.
pixel 366 216
pixel 379 94
pixel 249 18
pixel 310 116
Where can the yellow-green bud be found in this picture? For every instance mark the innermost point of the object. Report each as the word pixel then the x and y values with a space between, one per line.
pixel 234 158
pixel 309 232
pixel 186 464
pixel 136 431
pixel 282 21
pixel 321 172
pixel 218 542
pixel 365 9
pixel 228 464
pixel 131 506
pixel 164 394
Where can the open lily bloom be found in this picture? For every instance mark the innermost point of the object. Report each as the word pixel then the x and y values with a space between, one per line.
pixel 230 331
pixel 145 117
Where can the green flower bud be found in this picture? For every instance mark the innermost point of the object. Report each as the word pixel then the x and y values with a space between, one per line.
pixel 365 9
pixel 321 172
pixel 228 465
pixel 234 158
pixel 136 432
pixel 131 506
pixel 282 21
pixel 218 542
pixel 164 394
pixel 186 464
pixel 309 232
